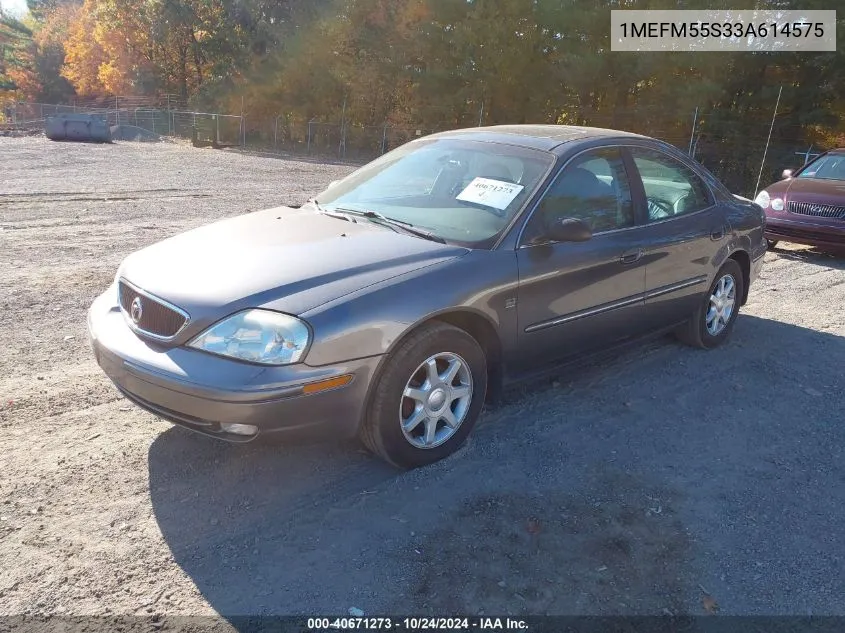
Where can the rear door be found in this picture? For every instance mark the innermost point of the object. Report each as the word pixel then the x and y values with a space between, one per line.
pixel 686 230
pixel 575 297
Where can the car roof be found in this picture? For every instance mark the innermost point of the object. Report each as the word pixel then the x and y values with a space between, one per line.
pixel 543 137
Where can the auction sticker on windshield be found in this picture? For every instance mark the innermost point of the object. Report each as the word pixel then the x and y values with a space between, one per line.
pixel 491 193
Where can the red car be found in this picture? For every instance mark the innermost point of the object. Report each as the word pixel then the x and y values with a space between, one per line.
pixel 808 206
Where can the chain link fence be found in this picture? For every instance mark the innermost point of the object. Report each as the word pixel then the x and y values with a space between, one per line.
pixel 318 138
pixel 346 141
pixel 735 160
pixel 223 129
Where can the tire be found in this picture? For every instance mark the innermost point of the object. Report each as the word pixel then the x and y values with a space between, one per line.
pixel 770 244
pixel 696 332
pixel 407 367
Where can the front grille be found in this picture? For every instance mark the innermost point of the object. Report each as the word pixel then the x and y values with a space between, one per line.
pixel 157 319
pixel 817 210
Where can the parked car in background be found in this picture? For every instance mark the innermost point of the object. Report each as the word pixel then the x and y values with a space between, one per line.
pixel 808 206
pixel 393 303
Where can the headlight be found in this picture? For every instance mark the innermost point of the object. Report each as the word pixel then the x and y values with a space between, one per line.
pixel 257 336
pixel 114 286
pixel 762 199
pixel 777 204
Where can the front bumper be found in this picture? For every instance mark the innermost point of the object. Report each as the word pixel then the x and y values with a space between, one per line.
pixel 806 231
pixel 200 391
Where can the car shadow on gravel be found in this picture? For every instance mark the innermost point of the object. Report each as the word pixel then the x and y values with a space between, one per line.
pixel 830 257
pixel 626 487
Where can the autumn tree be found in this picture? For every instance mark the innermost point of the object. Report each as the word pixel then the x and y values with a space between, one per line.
pixel 18 79
pixel 51 32
pixel 433 64
pixel 83 54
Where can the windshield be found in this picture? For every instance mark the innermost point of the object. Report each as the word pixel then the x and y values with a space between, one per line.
pixel 830 167
pixel 461 191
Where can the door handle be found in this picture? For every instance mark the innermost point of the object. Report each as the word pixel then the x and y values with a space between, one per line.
pixel 629 257
pixel 717 234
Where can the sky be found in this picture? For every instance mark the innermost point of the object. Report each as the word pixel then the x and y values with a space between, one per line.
pixel 15 7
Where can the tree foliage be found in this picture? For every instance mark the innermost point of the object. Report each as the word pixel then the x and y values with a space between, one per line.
pixel 16 58
pixel 434 64
pixel 32 55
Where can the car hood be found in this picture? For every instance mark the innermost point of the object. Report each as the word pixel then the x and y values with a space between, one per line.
pixel 286 259
pixel 810 190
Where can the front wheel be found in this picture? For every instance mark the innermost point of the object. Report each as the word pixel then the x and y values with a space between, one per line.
pixel 714 318
pixel 427 397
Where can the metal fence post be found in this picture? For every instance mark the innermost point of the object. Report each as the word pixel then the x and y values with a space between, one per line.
pixel 692 132
pixel 309 135
pixel 807 154
pixel 243 124
pixel 342 148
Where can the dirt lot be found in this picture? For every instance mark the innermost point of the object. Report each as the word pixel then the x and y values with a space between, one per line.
pixel 631 486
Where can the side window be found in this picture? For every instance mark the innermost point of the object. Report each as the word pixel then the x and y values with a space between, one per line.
pixel 671 188
pixel 593 188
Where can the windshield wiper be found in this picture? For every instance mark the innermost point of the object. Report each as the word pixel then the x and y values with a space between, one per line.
pixel 332 214
pixel 396 225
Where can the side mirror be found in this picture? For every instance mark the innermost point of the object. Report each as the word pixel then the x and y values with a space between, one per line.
pixel 569 230
pixel 787 173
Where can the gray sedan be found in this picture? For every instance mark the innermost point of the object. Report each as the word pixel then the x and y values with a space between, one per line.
pixel 395 302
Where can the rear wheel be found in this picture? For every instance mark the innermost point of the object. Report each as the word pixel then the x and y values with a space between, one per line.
pixel 713 320
pixel 770 244
pixel 427 397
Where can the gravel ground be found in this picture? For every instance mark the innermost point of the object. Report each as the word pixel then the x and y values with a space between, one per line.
pixel 665 480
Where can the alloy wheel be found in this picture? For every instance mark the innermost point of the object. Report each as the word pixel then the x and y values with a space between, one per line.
pixel 721 307
pixel 435 400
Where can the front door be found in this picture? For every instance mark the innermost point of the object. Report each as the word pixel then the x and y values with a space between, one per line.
pixel 575 297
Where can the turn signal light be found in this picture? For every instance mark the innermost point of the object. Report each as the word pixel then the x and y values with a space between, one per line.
pixel 329 383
